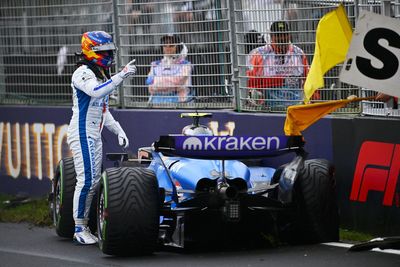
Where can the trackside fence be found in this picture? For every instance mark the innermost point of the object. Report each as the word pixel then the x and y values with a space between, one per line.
pixel 39 39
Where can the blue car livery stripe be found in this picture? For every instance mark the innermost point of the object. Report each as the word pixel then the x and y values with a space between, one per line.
pixel 102 85
pixel 83 104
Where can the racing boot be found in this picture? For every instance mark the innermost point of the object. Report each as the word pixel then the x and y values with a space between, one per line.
pixel 83 235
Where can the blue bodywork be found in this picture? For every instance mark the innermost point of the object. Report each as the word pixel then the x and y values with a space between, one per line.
pixel 217 179
pixel 186 172
pixel 181 162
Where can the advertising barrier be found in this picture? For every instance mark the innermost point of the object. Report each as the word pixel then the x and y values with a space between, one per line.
pixel 365 151
pixel 367 158
pixel 33 140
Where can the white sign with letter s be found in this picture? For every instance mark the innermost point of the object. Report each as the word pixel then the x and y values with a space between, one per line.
pixel 373 59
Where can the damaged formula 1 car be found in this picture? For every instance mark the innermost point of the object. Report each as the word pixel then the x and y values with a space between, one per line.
pixel 196 189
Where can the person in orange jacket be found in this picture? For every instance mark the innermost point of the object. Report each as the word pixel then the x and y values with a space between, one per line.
pixel 276 72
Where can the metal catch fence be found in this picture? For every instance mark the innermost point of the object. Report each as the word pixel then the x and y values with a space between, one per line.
pixel 255 18
pixel 201 26
pixel 38 41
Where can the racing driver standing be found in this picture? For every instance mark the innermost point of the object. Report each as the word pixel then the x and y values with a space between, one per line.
pixel 92 85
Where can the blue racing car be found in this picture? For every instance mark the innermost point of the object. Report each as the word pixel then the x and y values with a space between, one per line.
pixel 196 189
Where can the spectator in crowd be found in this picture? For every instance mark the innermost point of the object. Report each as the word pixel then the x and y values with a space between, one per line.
pixel 169 79
pixel 277 71
pixel 252 40
pixel 91 85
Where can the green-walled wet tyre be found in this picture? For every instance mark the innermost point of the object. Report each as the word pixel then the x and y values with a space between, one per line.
pixel 128 211
pixel 64 186
pixel 63 195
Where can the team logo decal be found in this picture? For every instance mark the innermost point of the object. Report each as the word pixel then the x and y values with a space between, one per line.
pixel 232 143
pixel 192 143
pixel 377 169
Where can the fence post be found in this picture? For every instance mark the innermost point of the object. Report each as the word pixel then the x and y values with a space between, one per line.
pixel 356 9
pixel 386 8
pixel 118 59
pixel 234 54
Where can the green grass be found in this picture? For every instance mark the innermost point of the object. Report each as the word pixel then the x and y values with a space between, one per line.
pixel 36 212
pixel 346 235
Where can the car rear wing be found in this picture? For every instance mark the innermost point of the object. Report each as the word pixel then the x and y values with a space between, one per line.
pixel 227 147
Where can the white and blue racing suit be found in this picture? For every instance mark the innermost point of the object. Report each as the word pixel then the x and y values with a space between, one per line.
pixel 90 114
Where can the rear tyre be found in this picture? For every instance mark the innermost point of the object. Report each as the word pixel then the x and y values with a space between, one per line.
pixel 128 211
pixel 64 188
pixel 316 218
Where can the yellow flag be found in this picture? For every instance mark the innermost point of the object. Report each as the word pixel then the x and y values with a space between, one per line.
pixel 300 117
pixel 332 42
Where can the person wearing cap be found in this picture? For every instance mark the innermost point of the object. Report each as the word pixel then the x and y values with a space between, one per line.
pixel 276 72
pixel 169 79
pixel 91 86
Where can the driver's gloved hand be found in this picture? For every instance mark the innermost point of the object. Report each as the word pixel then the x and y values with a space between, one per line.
pixel 128 70
pixel 123 141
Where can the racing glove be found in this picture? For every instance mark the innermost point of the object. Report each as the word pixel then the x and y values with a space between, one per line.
pixel 128 70
pixel 123 140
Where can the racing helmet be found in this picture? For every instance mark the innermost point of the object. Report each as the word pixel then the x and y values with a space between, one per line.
pixel 172 39
pixel 196 130
pixel 98 48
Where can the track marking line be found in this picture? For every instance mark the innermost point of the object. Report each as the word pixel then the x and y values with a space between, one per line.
pixel 345 245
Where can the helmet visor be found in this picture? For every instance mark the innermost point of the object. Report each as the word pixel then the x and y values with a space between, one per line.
pixel 104 47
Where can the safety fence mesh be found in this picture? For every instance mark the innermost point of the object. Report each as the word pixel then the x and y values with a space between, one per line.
pixel 254 18
pixel 202 26
pixel 39 38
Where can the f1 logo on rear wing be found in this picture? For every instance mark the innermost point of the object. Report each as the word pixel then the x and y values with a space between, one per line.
pixel 377 169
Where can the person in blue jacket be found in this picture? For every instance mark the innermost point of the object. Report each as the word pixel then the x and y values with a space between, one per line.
pixel 169 79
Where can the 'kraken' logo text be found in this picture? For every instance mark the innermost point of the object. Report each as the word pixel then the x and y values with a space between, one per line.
pixel 232 143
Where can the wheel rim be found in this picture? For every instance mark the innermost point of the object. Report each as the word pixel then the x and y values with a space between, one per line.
pixel 57 204
pixel 101 214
